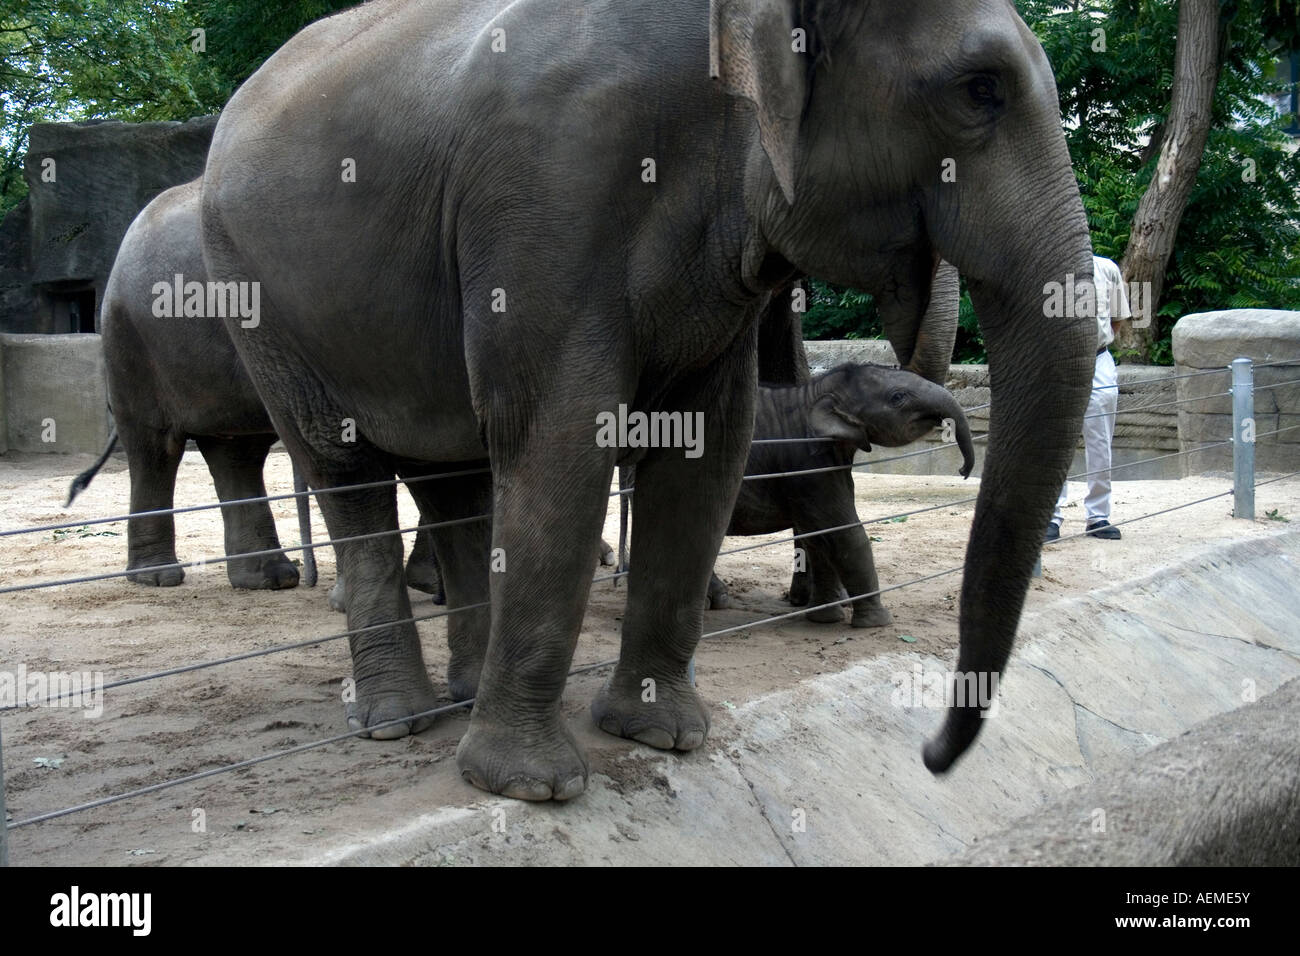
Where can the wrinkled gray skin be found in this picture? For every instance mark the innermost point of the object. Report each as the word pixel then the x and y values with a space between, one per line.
pixel 859 406
pixel 174 378
pixel 500 272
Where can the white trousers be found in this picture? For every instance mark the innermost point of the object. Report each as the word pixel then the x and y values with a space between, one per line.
pixel 1098 427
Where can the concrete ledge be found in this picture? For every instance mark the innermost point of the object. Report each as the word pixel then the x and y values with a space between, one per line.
pixel 55 396
pixel 830 771
pixel 1227 793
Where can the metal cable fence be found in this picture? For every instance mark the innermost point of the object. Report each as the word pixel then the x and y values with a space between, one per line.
pixel 1243 448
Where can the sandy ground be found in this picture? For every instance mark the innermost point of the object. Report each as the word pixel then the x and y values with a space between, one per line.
pixel 166 728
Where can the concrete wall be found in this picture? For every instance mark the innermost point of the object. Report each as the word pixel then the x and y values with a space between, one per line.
pixel 53 396
pixel 1138 435
pixel 1211 340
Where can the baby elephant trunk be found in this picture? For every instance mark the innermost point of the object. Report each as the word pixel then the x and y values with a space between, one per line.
pixel 964 441
pixel 945 404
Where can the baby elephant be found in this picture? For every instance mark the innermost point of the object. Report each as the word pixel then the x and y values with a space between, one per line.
pixel 857 406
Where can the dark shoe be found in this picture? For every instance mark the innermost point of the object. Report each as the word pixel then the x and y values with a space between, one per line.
pixel 1053 531
pixel 1104 529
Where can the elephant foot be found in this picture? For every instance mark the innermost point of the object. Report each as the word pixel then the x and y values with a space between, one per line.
pixel 167 578
pixel 272 573
pixel 719 598
pixel 605 555
pixel 424 576
pixel 463 671
pixel 338 596
pixel 800 589
pixel 874 615
pixel 672 718
pixel 538 761
pixel 378 702
pixel 825 615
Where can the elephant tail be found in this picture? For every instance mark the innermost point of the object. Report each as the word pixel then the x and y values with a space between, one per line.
pixel 304 526
pixel 80 483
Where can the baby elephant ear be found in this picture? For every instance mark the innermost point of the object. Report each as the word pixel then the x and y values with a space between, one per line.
pixel 752 50
pixel 829 420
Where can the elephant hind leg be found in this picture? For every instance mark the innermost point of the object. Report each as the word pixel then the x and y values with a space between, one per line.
pixel 650 697
pixel 153 457
pixel 461 553
pixel 391 681
pixel 236 465
pixel 849 553
pixel 422 570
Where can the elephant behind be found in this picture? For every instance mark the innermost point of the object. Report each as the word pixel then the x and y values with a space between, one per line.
pixel 173 375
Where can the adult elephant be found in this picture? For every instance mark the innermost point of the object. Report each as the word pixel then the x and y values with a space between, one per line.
pixel 173 375
pixel 482 227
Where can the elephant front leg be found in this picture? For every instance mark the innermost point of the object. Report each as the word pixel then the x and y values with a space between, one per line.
pixel 236 465
pixel 849 555
pixel 681 509
pixel 550 499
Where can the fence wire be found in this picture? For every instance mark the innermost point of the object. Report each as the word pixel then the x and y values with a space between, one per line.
pixel 154 788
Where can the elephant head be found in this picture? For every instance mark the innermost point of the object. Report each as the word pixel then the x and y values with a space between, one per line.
pixel 893 136
pixel 869 404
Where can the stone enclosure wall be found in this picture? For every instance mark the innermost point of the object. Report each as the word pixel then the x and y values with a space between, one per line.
pixel 1138 435
pixel 1211 340
pixel 61 377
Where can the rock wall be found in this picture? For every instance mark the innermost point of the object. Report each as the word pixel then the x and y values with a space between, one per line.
pixel 87 182
pixel 1208 342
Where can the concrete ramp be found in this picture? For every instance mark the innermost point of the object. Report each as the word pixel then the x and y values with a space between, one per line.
pixel 830 772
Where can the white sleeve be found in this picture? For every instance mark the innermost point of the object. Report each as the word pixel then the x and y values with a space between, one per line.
pixel 1121 310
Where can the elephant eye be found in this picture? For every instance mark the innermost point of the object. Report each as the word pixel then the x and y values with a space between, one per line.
pixel 898 398
pixel 983 90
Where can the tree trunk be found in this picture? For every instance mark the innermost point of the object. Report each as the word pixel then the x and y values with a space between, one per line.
pixel 1197 63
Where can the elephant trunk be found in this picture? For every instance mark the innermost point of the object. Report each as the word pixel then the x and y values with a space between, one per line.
pixel 1041 372
pixel 964 441
pixel 936 335
pixel 938 401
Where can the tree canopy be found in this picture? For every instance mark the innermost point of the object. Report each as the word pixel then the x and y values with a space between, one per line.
pixel 1238 245
pixel 1239 240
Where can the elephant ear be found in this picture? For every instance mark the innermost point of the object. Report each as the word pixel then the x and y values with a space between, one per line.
pixel 751 51
pixel 829 420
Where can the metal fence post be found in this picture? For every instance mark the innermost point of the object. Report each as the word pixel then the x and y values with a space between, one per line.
pixel 4 827
pixel 1243 439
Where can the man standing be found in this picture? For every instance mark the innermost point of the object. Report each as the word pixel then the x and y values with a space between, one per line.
pixel 1099 420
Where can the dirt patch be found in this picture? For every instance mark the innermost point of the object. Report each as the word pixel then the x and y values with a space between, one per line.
pixel 200 720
